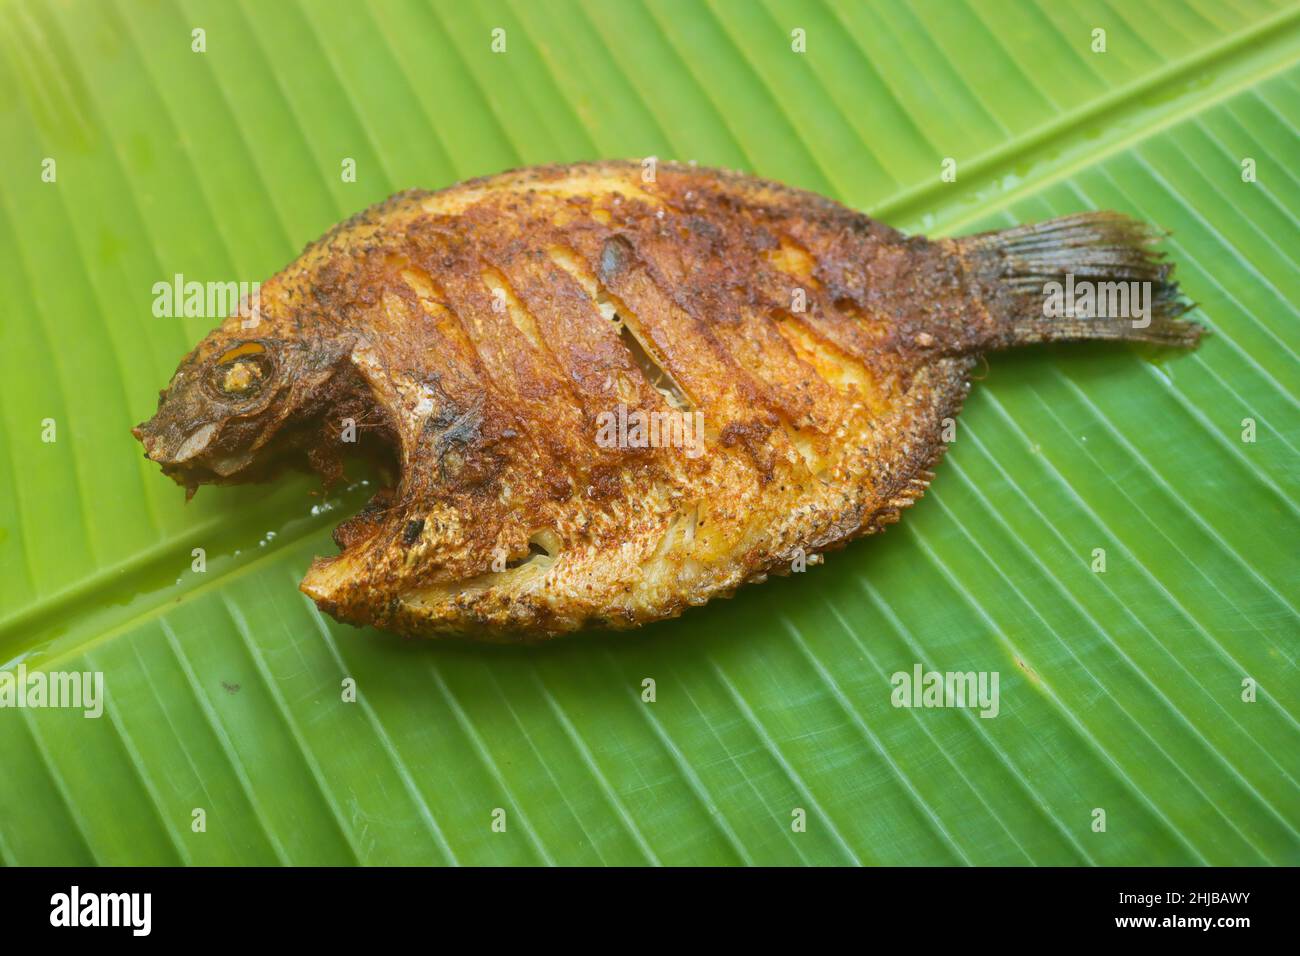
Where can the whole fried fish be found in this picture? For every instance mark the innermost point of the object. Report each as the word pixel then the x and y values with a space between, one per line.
pixel 607 395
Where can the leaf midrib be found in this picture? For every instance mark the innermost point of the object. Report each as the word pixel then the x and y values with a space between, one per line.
pixel 1236 57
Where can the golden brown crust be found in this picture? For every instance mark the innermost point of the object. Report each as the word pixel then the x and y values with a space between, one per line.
pixel 494 325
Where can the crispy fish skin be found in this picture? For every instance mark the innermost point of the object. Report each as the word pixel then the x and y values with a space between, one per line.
pixel 478 337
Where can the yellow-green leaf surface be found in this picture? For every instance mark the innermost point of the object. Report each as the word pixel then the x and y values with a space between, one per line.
pixel 1126 692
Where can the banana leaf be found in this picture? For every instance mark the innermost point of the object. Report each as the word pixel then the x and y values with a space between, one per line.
pixel 1113 531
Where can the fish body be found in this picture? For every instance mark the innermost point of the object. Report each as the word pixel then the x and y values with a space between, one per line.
pixel 607 397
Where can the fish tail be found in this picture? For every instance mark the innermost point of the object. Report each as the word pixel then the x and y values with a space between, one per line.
pixel 1090 275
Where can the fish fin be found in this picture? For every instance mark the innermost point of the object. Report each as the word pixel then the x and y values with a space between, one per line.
pixel 1035 279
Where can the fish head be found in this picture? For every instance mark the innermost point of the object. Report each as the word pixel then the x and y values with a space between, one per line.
pixel 235 392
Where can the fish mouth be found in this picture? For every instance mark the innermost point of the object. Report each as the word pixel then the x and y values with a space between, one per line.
pixel 190 461
pixel 169 444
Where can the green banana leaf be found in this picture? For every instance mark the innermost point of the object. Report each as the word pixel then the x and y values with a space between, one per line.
pixel 1148 711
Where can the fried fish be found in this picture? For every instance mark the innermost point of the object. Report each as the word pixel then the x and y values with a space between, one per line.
pixel 605 396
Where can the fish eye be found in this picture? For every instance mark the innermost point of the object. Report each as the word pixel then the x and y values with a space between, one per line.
pixel 241 371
